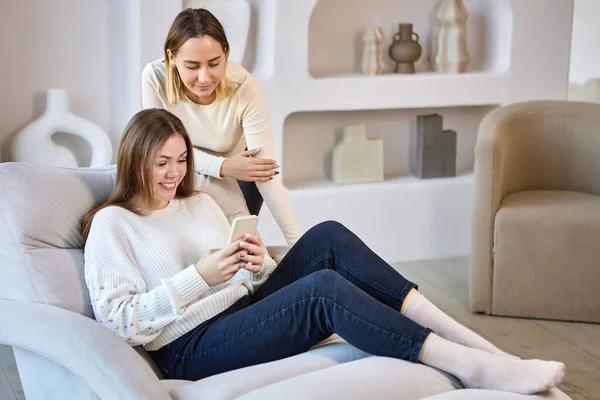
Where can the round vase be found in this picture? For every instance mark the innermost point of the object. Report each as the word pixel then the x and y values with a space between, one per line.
pixel 405 49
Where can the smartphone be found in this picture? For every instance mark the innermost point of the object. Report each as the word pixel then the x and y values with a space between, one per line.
pixel 242 226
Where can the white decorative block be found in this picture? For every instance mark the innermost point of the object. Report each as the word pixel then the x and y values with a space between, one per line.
pixel 356 159
pixel 590 91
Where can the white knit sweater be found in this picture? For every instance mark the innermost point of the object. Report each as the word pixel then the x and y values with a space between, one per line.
pixel 141 273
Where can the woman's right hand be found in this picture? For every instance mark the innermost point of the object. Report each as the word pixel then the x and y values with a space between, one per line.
pixel 220 266
pixel 244 167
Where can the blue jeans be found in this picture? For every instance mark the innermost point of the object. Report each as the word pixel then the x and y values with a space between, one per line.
pixel 253 198
pixel 329 282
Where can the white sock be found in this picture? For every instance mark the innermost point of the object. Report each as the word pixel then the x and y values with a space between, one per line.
pixel 479 369
pixel 426 314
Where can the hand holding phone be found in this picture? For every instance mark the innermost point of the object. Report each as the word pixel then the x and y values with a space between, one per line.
pixel 242 226
pixel 254 257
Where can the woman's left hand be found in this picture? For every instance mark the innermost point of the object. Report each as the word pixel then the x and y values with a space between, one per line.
pixel 255 258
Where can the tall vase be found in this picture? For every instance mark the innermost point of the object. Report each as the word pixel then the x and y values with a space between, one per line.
pixel 450 53
pixel 34 143
pixel 372 57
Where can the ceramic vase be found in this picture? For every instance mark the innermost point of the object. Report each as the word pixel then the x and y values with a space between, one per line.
pixel 405 50
pixel 433 149
pixel 34 143
pixel 372 59
pixel 356 159
pixel 450 54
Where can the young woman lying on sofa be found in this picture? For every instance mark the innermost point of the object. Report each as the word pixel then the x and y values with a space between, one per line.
pixel 156 280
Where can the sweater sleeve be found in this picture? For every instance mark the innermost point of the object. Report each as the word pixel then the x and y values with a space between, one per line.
pixel 151 89
pixel 154 96
pixel 257 131
pixel 207 164
pixel 119 294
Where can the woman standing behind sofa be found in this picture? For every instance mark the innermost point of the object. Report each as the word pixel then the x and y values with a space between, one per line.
pixel 223 110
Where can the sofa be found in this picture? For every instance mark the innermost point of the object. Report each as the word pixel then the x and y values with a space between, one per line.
pixel 63 353
pixel 536 220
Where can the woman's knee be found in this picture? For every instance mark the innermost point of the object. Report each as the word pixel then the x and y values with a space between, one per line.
pixel 326 279
pixel 330 229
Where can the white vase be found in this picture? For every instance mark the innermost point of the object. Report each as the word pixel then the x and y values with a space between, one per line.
pixel 450 54
pixel 34 143
pixel 372 57
pixel 234 15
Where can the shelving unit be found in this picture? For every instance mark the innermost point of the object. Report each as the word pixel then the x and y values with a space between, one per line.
pixel 338 51
pixel 309 138
pixel 306 55
pixel 358 92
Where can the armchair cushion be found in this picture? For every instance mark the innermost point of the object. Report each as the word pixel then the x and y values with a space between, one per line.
pixel 546 256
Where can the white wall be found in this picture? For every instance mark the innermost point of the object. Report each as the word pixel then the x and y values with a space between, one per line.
pixel 585 51
pixel 52 44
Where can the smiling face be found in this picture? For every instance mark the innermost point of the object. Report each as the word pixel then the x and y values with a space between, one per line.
pixel 201 63
pixel 168 170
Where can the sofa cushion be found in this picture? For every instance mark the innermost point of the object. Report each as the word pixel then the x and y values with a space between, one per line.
pixel 41 209
pixel 546 256
pixel 230 385
pixel 474 394
pixel 369 378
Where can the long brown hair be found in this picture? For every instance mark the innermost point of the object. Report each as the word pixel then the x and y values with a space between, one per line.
pixel 188 24
pixel 144 136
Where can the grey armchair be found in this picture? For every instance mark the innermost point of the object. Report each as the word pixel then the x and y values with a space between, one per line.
pixel 536 221
pixel 62 353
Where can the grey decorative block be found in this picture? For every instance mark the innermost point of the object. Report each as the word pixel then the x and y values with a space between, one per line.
pixel 433 149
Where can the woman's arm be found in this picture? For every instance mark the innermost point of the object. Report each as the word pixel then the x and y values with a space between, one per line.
pixel 257 130
pixel 120 296
pixel 151 89
pixel 154 96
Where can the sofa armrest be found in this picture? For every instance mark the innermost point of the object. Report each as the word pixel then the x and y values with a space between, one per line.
pixel 537 145
pixel 110 367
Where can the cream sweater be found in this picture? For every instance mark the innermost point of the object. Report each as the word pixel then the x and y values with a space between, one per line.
pixel 225 128
pixel 141 273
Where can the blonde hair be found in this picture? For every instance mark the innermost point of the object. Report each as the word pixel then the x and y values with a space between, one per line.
pixel 188 24
pixel 144 136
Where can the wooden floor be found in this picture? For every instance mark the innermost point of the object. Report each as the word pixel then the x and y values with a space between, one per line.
pixel 577 345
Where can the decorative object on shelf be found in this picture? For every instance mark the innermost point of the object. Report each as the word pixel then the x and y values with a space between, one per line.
pixel 234 15
pixel 356 159
pixel 372 59
pixel 34 143
pixel 405 50
pixel 450 54
pixel 433 149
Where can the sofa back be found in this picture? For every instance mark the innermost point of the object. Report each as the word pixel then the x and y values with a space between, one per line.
pixel 41 254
